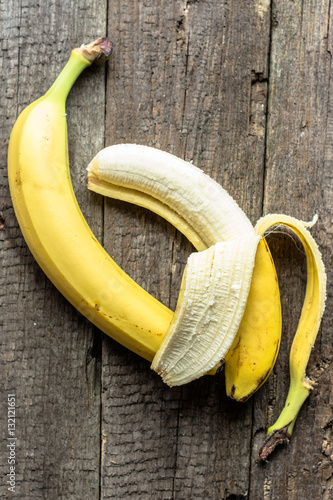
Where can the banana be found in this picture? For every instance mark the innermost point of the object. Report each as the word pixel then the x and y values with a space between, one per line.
pixel 205 213
pixel 55 229
pixel 228 306
pixel 57 234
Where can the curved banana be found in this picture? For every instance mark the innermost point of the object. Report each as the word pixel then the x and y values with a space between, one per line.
pixel 225 285
pixel 59 237
pixel 205 213
pixel 54 227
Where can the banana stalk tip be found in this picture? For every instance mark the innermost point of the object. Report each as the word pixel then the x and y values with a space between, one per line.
pixel 278 436
pixel 98 51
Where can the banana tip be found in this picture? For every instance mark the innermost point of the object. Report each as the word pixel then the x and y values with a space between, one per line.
pixel 278 436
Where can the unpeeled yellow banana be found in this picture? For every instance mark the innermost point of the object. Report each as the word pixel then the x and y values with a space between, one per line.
pixel 56 231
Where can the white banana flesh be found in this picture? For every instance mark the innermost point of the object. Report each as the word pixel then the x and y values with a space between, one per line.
pixel 216 280
pixel 174 183
pixel 210 308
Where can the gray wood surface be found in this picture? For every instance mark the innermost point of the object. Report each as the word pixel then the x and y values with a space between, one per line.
pixel 244 90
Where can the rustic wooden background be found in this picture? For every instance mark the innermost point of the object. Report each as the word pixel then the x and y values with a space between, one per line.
pixel 244 89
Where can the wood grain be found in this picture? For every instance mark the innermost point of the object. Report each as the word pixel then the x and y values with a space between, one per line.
pixel 173 85
pixel 50 354
pixel 296 176
pixel 244 90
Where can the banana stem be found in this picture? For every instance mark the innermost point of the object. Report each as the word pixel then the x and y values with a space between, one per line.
pixel 64 82
pixel 96 52
pixel 281 431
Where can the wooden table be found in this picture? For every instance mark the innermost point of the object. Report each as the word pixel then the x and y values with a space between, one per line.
pixel 243 89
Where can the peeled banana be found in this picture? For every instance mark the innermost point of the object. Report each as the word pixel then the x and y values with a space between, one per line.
pixel 228 306
pixel 206 214
pixel 202 210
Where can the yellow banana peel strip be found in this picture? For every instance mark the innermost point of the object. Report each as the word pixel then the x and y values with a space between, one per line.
pixel 306 333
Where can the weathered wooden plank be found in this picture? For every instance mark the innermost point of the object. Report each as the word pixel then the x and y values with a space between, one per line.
pixel 189 78
pixel 299 182
pixel 50 355
pixel 225 125
pixel 140 415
